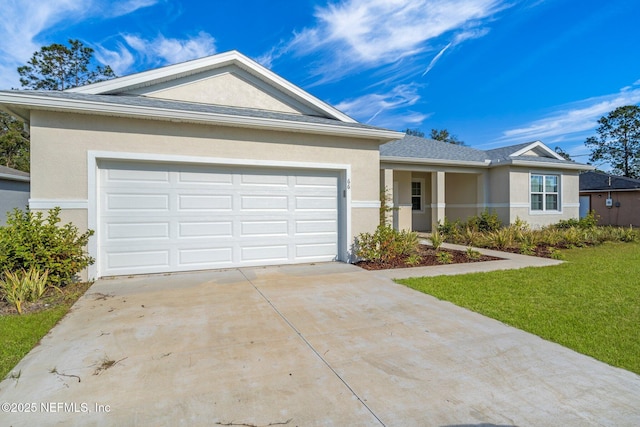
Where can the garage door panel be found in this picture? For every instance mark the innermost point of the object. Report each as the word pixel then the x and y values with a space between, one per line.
pixel 205 257
pixel 134 201
pixel 137 230
pixel 203 229
pixel 264 228
pixel 170 217
pixel 263 179
pixel 316 202
pixel 315 250
pixel 263 203
pixel 205 202
pixel 127 261
pixel 209 178
pixel 137 175
pixel 316 226
pixel 265 253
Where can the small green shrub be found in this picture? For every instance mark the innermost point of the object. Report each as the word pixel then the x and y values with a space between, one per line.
pixel 437 239
pixel 386 244
pixel 444 257
pixel 31 241
pixel 589 221
pixel 472 253
pixel 413 260
pixel 485 221
pixel 23 286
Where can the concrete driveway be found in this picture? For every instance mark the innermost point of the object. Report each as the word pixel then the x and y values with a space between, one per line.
pixel 306 345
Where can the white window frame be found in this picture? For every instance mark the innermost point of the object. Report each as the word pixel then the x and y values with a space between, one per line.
pixel 421 182
pixel 544 193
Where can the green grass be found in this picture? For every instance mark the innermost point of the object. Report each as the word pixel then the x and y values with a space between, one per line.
pixel 20 333
pixel 590 304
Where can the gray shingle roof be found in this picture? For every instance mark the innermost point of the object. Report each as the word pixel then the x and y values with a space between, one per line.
pixel 148 102
pixel 421 148
pixel 590 181
pixel 10 172
pixel 428 149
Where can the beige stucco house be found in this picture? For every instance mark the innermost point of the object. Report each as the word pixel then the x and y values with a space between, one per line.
pixel 219 162
pixel 429 181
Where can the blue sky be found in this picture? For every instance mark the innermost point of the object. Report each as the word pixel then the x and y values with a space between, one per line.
pixel 492 72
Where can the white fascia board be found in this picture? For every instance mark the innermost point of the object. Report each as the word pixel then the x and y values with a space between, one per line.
pixel 542 165
pixel 537 144
pixel 158 75
pixel 104 108
pixel 427 161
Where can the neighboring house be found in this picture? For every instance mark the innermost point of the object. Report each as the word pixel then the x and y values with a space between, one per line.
pixel 431 180
pixel 614 199
pixel 14 191
pixel 219 162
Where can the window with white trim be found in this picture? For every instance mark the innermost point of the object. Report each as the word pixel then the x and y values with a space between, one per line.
pixel 416 196
pixel 545 192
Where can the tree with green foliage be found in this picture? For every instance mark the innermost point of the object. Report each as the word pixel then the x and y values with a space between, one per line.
pixel 618 141
pixel 14 143
pixel 444 136
pixel 439 135
pixel 53 67
pixel 60 67
pixel 563 153
pixel 414 132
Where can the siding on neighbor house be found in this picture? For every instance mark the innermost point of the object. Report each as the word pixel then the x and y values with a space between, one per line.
pixel 13 194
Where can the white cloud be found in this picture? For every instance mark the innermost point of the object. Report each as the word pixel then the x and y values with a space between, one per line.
pixel 375 32
pixel 120 60
pixel 571 122
pixel 386 109
pixel 162 50
pixel 23 21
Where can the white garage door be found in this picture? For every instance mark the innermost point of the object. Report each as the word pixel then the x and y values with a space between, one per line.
pixel 161 217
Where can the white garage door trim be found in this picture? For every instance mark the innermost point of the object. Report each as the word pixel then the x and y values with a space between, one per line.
pixel 95 157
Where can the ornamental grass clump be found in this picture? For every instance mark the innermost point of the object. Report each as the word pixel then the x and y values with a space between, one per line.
pixel 23 286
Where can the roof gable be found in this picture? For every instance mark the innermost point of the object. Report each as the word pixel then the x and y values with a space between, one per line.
pixel 218 80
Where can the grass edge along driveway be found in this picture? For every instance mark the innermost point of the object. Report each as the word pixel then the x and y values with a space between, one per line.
pixel 590 304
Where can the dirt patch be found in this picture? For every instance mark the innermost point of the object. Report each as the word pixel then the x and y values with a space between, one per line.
pixel 428 257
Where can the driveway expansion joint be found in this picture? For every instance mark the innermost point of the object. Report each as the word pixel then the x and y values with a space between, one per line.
pixel 327 364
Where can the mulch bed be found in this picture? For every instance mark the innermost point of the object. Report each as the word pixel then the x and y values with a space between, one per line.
pixel 428 258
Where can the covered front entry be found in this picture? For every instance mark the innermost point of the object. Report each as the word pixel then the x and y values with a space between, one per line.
pixel 162 217
pixel 424 198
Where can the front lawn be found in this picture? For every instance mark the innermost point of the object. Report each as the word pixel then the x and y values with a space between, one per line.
pixel 590 304
pixel 20 333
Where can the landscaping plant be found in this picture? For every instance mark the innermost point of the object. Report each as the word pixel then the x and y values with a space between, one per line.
pixel 23 286
pixel 386 244
pixel 31 241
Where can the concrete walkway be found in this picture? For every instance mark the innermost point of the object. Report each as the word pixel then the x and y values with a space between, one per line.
pixel 306 345
pixel 509 262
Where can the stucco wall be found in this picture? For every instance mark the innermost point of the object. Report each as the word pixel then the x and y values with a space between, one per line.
pixel 461 196
pixel 13 194
pixel 520 196
pixel 220 87
pixel 60 143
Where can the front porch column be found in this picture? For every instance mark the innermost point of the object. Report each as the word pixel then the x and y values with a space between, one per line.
pixel 388 193
pixel 437 199
pixel 482 190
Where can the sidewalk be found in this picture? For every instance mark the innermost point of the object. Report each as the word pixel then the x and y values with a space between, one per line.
pixel 510 261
